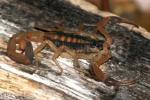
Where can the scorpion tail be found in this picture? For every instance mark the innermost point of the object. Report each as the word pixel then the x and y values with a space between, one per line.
pixel 110 81
pixel 97 73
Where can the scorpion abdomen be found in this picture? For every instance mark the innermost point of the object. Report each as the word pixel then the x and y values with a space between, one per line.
pixel 74 41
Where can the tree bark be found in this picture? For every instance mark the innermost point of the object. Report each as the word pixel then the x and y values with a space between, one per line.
pixel 130 54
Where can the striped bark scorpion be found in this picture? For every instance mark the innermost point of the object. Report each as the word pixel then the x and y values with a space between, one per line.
pixel 76 45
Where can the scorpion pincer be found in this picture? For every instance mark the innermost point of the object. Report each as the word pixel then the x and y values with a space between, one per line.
pixel 19 42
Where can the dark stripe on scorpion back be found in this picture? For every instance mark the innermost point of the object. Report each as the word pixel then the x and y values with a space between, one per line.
pixel 85 46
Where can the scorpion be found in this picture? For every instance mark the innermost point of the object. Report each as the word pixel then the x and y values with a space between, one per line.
pixel 76 45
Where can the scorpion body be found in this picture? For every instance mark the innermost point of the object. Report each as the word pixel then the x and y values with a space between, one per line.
pixel 74 41
pixel 76 45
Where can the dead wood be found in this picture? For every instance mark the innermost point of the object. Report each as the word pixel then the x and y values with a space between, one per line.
pixel 130 54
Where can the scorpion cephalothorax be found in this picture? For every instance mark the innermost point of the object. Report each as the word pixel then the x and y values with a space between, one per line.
pixel 76 45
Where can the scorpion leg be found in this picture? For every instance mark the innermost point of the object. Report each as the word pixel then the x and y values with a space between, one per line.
pixel 76 64
pixel 60 50
pixel 75 59
pixel 57 53
pixel 37 50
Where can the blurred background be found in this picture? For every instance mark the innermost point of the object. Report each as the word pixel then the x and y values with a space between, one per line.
pixel 135 10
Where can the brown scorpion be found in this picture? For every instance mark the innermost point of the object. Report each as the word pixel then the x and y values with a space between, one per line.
pixel 76 45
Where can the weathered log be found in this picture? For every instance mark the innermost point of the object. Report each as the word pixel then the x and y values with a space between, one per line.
pixel 130 52
pixel 13 87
